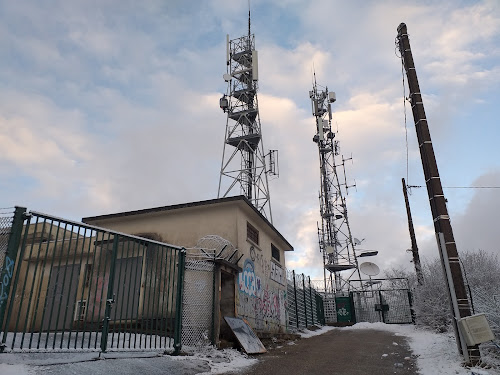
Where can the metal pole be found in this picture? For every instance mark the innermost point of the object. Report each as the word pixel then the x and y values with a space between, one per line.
pixel 8 268
pixel 304 294
pixel 444 233
pixel 178 302
pixel 110 296
pixel 295 299
pixel 311 300
pixel 414 247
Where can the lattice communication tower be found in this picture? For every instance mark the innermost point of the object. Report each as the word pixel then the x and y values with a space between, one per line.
pixel 334 233
pixel 244 163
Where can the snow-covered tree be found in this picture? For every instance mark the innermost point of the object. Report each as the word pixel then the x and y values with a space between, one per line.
pixel 431 303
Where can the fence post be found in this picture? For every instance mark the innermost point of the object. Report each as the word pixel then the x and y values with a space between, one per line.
pixel 353 307
pixel 412 310
pixel 311 300
pixel 304 293
pixel 8 266
pixel 295 299
pixel 381 306
pixel 110 298
pixel 178 302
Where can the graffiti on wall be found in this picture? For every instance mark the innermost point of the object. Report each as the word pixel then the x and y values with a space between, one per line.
pixel 259 260
pixel 258 302
pixel 248 282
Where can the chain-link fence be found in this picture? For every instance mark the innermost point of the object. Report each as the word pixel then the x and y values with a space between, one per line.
pixel 198 303
pixel 6 217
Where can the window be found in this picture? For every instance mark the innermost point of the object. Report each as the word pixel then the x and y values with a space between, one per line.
pixel 252 234
pixel 275 252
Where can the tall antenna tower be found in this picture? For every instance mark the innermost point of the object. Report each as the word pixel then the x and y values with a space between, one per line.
pixel 334 233
pixel 243 161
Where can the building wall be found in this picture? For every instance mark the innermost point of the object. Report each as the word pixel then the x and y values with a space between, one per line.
pixel 182 227
pixel 261 295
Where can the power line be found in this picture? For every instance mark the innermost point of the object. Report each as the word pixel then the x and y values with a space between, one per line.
pixel 460 187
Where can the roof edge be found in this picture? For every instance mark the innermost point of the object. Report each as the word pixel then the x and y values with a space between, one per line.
pixel 187 205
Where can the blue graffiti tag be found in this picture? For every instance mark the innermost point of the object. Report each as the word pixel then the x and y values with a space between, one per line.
pixel 9 268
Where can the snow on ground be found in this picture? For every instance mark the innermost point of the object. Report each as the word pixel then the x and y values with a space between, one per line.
pixel 220 361
pixel 6 369
pixel 436 353
pixel 308 333
pixel 194 360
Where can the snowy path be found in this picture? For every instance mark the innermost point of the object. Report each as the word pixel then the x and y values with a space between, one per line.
pixel 434 353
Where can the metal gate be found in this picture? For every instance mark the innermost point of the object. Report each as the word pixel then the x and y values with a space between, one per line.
pixel 67 285
pixel 387 306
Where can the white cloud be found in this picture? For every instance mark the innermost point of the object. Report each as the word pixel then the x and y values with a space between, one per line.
pixel 115 107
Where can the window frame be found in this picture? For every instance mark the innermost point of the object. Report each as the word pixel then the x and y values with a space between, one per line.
pixel 252 234
pixel 275 249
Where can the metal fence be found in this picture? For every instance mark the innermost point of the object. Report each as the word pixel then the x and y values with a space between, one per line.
pixel 198 303
pixel 304 304
pixel 387 306
pixel 72 286
pixel 6 217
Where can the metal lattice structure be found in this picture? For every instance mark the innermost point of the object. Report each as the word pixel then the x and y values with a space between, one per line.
pixel 334 233
pixel 243 164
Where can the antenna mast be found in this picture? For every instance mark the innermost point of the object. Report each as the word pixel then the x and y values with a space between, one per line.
pixel 334 233
pixel 243 165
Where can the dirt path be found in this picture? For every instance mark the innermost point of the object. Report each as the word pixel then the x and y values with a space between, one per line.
pixel 347 352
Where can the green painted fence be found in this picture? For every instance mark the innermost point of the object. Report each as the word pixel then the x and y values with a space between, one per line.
pixel 70 286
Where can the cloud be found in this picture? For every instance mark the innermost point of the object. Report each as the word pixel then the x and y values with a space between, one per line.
pixel 114 107
pixel 474 227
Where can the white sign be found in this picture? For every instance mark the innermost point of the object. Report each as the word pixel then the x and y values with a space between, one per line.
pixel 277 273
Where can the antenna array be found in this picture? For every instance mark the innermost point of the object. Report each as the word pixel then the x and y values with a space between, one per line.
pixel 243 164
pixel 334 233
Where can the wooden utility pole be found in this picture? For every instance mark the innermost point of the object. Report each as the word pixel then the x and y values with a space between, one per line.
pixel 414 247
pixel 444 233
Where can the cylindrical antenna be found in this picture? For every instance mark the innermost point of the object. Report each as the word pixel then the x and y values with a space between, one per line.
pixel 248 19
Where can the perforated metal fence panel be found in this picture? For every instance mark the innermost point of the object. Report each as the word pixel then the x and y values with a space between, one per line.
pixel 198 303
pixel 399 307
pixel 364 306
pixel 330 308
pixel 387 306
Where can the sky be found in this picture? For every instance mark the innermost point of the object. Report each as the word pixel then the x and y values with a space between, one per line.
pixel 108 106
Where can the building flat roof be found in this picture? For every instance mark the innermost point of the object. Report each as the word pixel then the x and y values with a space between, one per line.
pixel 237 198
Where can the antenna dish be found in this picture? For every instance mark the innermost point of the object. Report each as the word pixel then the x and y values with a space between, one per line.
pixel 369 269
pixel 227 77
pixel 357 241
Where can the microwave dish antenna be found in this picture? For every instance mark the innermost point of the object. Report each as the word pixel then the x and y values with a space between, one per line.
pixel 369 269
